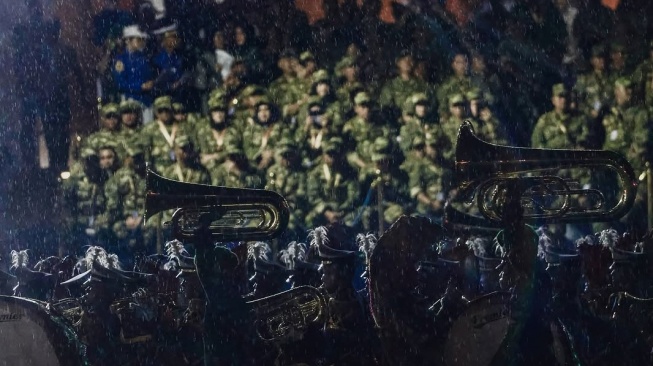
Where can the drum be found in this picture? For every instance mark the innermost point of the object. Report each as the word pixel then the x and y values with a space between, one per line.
pixel 477 334
pixel 32 335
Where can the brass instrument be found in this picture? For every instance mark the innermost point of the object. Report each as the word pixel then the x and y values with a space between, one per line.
pixel 487 171
pixel 234 213
pixel 458 221
pixel 288 314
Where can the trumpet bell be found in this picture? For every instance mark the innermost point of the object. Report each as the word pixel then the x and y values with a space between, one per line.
pixel 485 171
pixel 231 213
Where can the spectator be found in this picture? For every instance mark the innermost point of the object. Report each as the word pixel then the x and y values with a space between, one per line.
pixel 173 76
pixel 132 71
pixel 213 68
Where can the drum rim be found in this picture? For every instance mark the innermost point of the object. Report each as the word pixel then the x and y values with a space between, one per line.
pixel 56 328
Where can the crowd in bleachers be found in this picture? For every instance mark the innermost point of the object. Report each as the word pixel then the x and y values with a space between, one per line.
pixel 341 114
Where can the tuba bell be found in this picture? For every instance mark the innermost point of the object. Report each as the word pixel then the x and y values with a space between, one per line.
pixel 483 170
pixel 234 213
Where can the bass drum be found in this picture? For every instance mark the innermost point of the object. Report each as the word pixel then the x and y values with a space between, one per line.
pixel 476 335
pixel 32 335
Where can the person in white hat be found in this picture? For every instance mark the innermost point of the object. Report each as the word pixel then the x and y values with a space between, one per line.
pixel 132 72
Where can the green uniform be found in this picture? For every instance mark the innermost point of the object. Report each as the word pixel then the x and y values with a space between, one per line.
pixel 453 85
pixel 285 91
pixel 188 174
pixel 594 90
pixel 158 141
pixel 361 134
pixel 560 131
pixel 125 196
pixel 416 128
pixel 628 131
pixel 450 128
pixel 107 138
pixel 291 184
pixel 211 141
pixel 424 176
pixel 85 201
pixel 641 77
pixel 330 189
pixel 258 138
pixel 228 175
pixel 396 91
pixel 343 93
pixel 130 138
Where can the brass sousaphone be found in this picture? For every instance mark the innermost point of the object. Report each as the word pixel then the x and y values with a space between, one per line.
pixel 235 213
pixel 481 169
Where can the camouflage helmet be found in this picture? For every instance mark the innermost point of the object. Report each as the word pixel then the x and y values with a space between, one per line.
pixel 320 76
pixel 456 99
pixel 559 90
pixel 217 103
pixel 217 93
pixel 178 108
pixel 412 101
pixel 130 105
pixel 87 152
pixel 108 109
pixel 306 56
pixel 362 98
pixel 345 62
pixel 164 102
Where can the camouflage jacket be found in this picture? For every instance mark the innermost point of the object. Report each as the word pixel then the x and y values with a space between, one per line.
pixel 424 176
pixel 330 189
pixel 159 150
pixel 125 195
pixel 228 175
pixel 415 128
pixel 628 132
pixel 86 202
pixel 453 85
pixel 285 91
pixel 396 91
pixel 211 141
pixel 593 91
pixel 107 138
pixel 560 131
pixel 258 138
pixel 291 184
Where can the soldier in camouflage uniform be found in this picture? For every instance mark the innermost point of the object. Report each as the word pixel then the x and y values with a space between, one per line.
pixel 451 124
pixel 641 77
pixel 390 184
pixel 486 125
pixel 261 134
pixel 395 92
pixel 628 131
pixel 318 127
pixel 84 199
pixel 322 92
pixel 618 62
pixel 245 108
pixel 458 83
pixel 305 70
pixel 125 197
pixel 286 90
pixel 332 187
pixel 560 128
pixel 159 137
pixel 187 167
pixel 347 70
pixel 418 121
pixel 236 171
pixel 213 135
pixel 594 88
pixel 426 177
pixel 288 178
pixel 109 131
pixel 130 116
pixel 360 132
pixel 189 120
pixel 627 127
pixel 109 162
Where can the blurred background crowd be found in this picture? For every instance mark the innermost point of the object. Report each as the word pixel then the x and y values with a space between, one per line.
pixel 321 101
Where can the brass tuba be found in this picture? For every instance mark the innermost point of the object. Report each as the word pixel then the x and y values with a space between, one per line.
pixel 287 315
pixel 234 213
pixel 481 169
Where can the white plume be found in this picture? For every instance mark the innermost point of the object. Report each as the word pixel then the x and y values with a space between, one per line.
pixel 259 250
pixel 366 243
pixel 19 259
pixel 294 252
pixel 318 236
pixel 608 238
